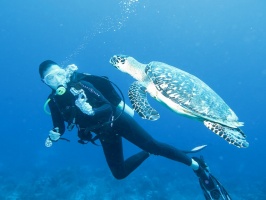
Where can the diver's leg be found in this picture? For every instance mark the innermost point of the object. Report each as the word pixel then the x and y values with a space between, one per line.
pixel 138 136
pixel 134 133
pixel 113 150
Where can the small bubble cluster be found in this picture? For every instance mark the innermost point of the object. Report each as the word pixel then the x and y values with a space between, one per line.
pixel 128 7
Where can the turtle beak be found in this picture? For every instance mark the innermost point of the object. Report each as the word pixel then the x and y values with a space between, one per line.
pixel 114 61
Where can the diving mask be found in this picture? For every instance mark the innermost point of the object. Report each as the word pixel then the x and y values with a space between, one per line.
pixel 59 76
pixel 55 78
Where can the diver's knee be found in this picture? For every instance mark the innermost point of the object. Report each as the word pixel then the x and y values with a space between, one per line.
pixel 118 173
pixel 118 176
pixel 152 147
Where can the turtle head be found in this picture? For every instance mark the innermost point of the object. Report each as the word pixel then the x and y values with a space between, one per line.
pixel 120 62
pixel 128 65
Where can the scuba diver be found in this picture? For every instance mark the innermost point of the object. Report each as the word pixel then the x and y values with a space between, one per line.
pixel 92 104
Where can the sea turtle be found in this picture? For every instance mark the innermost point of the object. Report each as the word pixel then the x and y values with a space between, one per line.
pixel 183 93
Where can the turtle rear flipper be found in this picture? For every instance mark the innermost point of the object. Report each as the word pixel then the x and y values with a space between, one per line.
pixel 138 98
pixel 232 135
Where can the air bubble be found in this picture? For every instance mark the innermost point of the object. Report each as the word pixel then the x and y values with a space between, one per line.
pixel 128 7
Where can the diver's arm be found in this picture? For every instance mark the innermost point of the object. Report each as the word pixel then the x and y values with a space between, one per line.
pixel 58 121
pixel 59 125
pixel 100 105
pixel 104 109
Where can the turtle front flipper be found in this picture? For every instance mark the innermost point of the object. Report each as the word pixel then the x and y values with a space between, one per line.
pixel 232 135
pixel 138 98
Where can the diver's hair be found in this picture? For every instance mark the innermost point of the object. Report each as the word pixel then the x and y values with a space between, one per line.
pixel 45 65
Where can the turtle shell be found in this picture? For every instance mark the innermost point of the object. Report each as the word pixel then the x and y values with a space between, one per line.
pixel 192 94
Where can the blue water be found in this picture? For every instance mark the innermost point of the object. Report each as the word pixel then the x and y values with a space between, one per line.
pixel 221 42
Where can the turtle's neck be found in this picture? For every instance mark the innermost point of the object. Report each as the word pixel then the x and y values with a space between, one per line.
pixel 137 69
pixel 138 73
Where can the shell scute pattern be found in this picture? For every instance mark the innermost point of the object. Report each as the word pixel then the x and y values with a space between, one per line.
pixel 189 92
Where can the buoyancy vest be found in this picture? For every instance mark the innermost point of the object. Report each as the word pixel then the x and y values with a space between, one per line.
pixel 101 83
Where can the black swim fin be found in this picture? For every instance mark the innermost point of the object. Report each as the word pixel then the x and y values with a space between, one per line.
pixel 211 187
pixel 218 192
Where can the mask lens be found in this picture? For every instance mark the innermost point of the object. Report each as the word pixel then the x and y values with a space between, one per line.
pixel 55 77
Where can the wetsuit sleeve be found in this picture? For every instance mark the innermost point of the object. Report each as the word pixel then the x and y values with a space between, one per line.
pixel 100 105
pixel 57 118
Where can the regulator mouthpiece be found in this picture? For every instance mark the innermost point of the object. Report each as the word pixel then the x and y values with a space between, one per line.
pixel 60 90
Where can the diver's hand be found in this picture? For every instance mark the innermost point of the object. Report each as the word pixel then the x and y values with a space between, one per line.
pixel 54 135
pixel 81 101
pixel 84 106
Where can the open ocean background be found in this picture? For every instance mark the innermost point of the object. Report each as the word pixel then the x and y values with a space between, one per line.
pixel 221 42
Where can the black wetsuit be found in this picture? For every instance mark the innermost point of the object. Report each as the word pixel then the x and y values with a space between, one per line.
pixel 63 109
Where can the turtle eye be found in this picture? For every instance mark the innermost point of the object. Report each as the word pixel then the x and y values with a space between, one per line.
pixel 120 59
pixel 123 60
pixel 117 60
